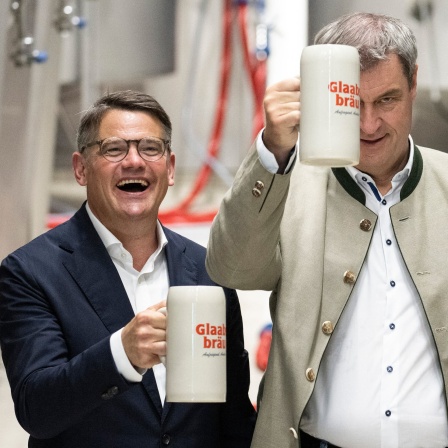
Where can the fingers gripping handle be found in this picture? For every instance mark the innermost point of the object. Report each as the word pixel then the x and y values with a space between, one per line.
pixel 162 358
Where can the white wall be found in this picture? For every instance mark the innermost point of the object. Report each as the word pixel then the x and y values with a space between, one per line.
pixel 28 105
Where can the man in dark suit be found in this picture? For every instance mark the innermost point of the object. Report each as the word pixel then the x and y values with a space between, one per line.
pixel 80 329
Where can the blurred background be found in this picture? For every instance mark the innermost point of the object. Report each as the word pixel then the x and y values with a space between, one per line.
pixel 208 63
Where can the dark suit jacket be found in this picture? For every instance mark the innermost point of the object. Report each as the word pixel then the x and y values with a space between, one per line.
pixel 60 299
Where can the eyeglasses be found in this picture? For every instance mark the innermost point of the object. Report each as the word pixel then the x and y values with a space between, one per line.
pixel 116 149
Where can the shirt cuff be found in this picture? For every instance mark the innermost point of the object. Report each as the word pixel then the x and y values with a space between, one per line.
pixel 268 160
pixel 124 367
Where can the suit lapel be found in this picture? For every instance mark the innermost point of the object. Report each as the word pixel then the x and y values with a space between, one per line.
pixel 93 270
pixel 181 269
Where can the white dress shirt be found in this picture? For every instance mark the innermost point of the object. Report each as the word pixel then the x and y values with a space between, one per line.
pixel 380 382
pixel 144 288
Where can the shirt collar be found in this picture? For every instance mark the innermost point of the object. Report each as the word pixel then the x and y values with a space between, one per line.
pixel 111 242
pixel 399 178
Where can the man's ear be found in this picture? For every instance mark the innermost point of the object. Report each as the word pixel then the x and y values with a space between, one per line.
pixel 171 168
pixel 79 168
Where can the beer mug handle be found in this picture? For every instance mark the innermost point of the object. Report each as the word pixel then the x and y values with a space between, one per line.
pixel 162 358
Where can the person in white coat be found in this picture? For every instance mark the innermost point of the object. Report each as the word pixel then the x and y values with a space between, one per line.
pixel 355 258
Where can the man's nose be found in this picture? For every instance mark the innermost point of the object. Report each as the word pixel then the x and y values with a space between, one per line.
pixel 133 156
pixel 370 119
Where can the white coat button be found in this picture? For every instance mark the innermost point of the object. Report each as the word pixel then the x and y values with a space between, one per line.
pixel 349 277
pixel 256 192
pixel 327 327
pixel 365 225
pixel 258 188
pixel 310 375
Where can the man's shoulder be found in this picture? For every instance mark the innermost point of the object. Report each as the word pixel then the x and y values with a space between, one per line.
pixel 435 163
pixel 45 245
pixel 433 155
pixel 433 167
pixel 182 240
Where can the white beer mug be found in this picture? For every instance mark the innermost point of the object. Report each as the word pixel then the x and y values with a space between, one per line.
pixel 329 105
pixel 196 344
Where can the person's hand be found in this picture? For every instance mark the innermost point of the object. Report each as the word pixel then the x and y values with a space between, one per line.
pixel 282 117
pixel 144 337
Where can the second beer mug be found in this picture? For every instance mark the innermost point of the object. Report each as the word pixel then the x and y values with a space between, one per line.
pixel 330 105
pixel 196 344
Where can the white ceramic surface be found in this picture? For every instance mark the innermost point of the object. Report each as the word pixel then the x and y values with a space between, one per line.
pixel 196 344
pixel 330 105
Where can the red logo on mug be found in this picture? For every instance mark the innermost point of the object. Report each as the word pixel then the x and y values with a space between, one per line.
pixel 214 335
pixel 346 94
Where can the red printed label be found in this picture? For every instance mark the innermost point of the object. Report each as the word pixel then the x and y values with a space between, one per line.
pixel 214 336
pixel 346 95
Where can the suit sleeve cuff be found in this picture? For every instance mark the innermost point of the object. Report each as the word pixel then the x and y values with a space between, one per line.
pixel 268 160
pixel 124 367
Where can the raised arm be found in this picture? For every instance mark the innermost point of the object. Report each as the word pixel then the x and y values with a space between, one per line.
pixel 243 250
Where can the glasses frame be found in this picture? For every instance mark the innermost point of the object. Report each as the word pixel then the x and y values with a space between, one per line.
pixel 166 147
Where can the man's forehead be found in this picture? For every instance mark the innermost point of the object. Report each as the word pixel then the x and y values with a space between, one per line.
pixel 385 77
pixel 122 120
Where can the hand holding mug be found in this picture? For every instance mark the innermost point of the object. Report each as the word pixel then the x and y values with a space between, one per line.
pixel 144 337
pixel 282 116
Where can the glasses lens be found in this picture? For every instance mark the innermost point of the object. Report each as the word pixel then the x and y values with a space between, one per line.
pixel 151 148
pixel 114 149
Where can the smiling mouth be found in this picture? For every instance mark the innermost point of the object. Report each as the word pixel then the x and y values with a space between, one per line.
pixel 371 141
pixel 133 185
